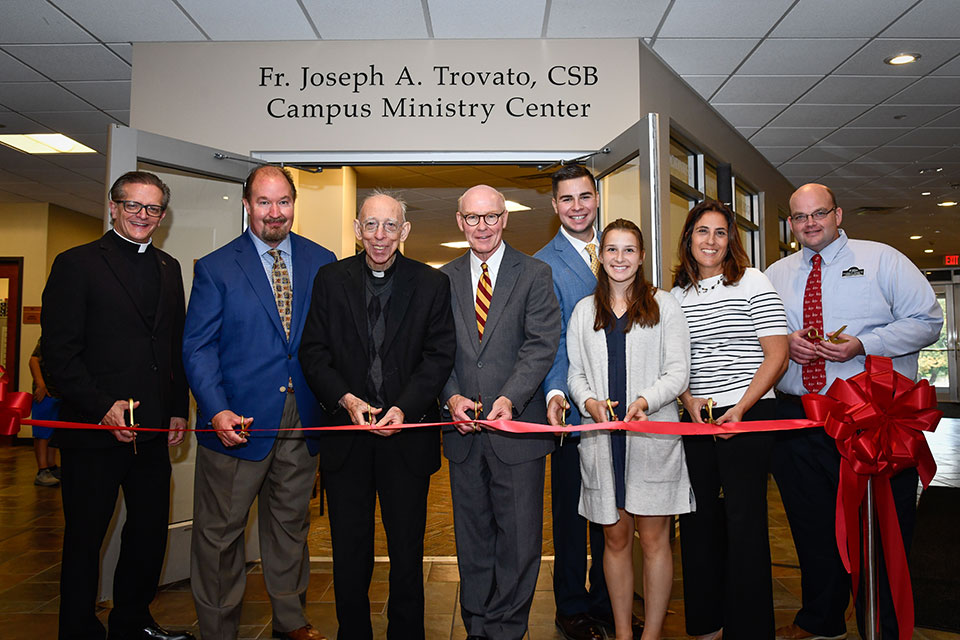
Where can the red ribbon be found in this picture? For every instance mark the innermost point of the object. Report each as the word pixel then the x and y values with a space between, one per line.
pixel 14 406
pixel 877 418
pixel 509 426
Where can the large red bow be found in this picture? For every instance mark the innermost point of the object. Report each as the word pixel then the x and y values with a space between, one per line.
pixel 14 406
pixel 877 418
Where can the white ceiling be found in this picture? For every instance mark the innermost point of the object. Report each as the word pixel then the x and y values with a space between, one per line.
pixel 803 80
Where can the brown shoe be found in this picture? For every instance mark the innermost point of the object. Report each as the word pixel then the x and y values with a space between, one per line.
pixel 578 627
pixel 303 633
pixel 793 632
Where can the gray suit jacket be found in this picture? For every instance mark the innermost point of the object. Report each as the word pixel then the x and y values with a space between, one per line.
pixel 519 343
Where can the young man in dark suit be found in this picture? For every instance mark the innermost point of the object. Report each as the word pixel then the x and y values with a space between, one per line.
pixel 573 257
pixel 377 347
pixel 508 326
pixel 112 322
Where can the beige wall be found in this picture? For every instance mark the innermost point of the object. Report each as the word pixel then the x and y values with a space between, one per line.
pixel 66 229
pixel 37 232
pixel 326 208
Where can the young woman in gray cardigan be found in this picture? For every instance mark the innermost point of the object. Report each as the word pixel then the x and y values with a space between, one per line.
pixel 629 352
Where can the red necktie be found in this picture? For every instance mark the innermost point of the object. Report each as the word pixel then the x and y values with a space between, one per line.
pixel 814 374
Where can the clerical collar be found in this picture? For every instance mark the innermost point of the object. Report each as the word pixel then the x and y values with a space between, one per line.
pixel 380 274
pixel 141 246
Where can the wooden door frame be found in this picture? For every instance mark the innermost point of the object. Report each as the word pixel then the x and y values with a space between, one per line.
pixel 12 267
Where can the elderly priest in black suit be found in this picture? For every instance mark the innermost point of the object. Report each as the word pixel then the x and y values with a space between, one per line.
pixel 378 345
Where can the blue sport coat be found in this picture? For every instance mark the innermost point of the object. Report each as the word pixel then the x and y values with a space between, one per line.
pixel 572 282
pixel 235 351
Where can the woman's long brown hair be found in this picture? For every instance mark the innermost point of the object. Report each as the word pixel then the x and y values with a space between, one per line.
pixel 642 308
pixel 735 262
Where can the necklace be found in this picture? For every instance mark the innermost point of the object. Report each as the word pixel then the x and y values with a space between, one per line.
pixel 702 290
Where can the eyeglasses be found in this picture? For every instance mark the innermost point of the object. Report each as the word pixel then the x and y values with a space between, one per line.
pixel 390 227
pixel 801 218
pixel 134 207
pixel 473 219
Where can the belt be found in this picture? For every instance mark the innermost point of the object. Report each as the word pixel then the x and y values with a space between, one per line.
pixel 789 398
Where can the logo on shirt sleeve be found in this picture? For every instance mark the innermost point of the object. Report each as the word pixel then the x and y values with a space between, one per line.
pixel 852 272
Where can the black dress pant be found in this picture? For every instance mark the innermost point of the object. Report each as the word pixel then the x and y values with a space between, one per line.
pixel 90 484
pixel 806 466
pixel 570 540
pixel 372 468
pixel 724 544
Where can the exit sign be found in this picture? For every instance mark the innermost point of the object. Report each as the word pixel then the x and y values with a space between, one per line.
pixel 951 261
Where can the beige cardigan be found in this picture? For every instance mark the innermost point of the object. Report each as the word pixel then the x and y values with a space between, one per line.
pixel 658 369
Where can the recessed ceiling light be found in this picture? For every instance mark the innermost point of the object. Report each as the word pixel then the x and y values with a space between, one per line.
pixel 947 203
pixel 459 244
pixel 924 193
pixel 515 206
pixel 902 58
pixel 931 170
pixel 226 197
pixel 915 237
pixel 40 143
pixel 928 250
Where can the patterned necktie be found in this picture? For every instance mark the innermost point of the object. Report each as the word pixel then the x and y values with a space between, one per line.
pixel 282 291
pixel 815 373
pixel 594 260
pixel 484 295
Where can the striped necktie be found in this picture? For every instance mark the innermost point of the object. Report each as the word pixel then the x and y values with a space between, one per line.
pixel 282 291
pixel 594 260
pixel 484 295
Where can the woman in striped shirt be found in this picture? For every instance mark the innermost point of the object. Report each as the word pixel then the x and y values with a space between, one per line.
pixel 738 349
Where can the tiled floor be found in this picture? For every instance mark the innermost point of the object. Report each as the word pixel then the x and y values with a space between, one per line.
pixel 31 527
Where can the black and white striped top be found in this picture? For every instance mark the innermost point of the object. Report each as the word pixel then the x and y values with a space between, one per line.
pixel 726 323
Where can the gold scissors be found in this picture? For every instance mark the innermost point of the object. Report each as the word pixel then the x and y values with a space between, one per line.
pixel 243 428
pixel 477 411
pixel 813 334
pixel 133 424
pixel 563 419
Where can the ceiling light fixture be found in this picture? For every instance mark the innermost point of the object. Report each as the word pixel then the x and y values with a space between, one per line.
pixel 41 143
pixel 947 203
pixel 515 206
pixel 931 170
pixel 928 250
pixel 459 244
pixel 902 58
pixel 915 237
pixel 924 193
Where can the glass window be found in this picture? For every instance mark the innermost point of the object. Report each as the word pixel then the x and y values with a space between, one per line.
pixel 710 180
pixel 683 163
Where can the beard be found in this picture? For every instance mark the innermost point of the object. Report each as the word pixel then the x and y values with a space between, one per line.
pixel 274 234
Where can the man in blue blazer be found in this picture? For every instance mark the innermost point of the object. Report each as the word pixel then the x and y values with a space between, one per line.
pixel 240 344
pixel 572 255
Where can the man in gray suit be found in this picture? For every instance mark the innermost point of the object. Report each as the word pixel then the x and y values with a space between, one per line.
pixel 508 327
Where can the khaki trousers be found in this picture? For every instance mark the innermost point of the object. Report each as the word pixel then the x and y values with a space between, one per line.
pixel 224 490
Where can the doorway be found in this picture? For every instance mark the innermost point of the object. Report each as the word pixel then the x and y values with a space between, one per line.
pixel 11 284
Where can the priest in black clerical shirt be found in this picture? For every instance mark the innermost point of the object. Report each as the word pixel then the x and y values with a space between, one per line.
pixel 112 323
pixel 378 346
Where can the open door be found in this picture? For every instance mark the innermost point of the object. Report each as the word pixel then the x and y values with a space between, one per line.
pixel 206 188
pixel 628 171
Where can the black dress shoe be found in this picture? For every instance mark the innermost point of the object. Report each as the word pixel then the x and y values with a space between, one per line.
pixel 155 632
pixel 579 627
